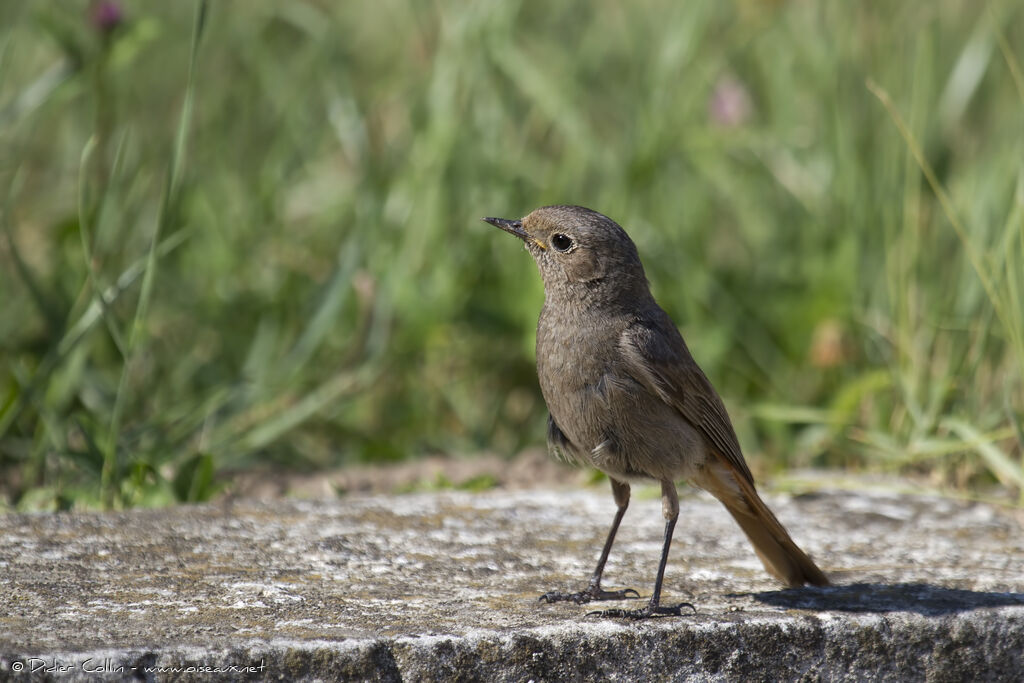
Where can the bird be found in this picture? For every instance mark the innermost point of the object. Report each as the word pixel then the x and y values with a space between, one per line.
pixel 624 395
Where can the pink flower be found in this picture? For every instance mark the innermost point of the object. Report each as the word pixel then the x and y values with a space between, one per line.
pixel 730 104
pixel 106 16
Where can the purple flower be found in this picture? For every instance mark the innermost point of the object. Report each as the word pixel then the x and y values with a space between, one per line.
pixel 730 104
pixel 106 16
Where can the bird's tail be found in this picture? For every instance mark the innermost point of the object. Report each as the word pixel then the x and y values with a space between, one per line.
pixel 780 555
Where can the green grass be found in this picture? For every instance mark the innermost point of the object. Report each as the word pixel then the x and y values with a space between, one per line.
pixel 254 240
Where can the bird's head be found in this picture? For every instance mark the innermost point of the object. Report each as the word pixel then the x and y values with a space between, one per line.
pixel 578 250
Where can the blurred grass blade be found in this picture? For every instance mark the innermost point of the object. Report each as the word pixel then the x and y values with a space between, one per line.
pixel 892 452
pixel 168 210
pixel 548 96
pixel 85 229
pixel 853 393
pixel 1004 469
pixel 41 300
pixel 967 73
pixel 775 412
pixel 287 418
pixel 32 97
pixel 78 330
pixel 1018 432
pixel 126 279
pixel 194 480
pixel 324 319
pixel 1011 62
pixel 981 269
pixel 1012 255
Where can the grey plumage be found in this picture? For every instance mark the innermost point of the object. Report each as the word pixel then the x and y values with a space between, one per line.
pixel 625 395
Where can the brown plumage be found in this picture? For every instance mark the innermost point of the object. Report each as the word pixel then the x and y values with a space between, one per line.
pixel 625 395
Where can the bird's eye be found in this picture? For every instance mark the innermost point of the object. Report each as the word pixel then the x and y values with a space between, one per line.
pixel 561 242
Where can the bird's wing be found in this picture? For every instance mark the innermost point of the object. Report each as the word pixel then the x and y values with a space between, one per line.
pixel 558 442
pixel 657 357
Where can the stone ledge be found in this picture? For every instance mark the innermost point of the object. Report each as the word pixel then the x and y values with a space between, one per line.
pixel 444 586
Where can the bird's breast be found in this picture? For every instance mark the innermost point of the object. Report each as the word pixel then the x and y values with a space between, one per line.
pixel 611 420
pixel 582 385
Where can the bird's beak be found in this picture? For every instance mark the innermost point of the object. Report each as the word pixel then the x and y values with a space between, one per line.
pixel 514 227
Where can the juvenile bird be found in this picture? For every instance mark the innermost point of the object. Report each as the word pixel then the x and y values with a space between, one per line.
pixel 624 394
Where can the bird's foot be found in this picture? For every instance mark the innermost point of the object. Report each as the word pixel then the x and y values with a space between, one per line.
pixel 645 613
pixel 591 594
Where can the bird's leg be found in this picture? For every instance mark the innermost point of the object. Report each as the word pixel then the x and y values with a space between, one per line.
pixel 594 592
pixel 670 510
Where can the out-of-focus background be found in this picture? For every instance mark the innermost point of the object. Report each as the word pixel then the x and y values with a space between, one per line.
pixel 277 262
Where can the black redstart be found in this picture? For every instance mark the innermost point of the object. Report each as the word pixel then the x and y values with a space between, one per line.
pixel 625 395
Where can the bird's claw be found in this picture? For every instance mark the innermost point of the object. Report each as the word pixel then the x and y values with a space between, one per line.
pixel 589 595
pixel 645 613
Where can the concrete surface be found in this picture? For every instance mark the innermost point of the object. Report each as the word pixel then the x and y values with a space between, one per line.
pixel 441 587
